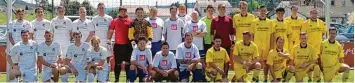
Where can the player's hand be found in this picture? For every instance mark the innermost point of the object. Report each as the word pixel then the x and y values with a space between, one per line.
pixel 165 73
pixel 304 65
pixel 133 43
pixel 99 67
pixel 145 71
pixel 245 64
pixel 87 67
pixel 53 66
pixel 190 67
pixel 15 67
pixel 220 71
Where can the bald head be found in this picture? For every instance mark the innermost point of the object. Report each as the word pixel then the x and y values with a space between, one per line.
pixel 153 12
pixel 82 12
pixel 194 15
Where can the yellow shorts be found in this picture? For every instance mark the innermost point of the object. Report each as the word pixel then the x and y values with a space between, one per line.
pixel 329 73
pixel 218 76
pixel 279 73
pixel 240 72
pixel 301 73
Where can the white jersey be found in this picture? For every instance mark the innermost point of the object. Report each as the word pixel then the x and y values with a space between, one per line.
pixel 196 27
pixel 173 29
pixel 185 18
pixel 78 54
pixel 16 27
pixel 97 56
pixel 185 53
pixel 27 54
pixel 84 26
pixel 157 26
pixel 61 28
pixel 164 62
pixel 143 57
pixel 39 28
pixel 50 52
pixel 101 24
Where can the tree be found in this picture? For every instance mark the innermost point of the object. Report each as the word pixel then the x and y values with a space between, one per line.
pixel 72 8
pixel 89 8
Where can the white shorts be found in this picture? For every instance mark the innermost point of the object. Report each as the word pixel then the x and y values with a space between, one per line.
pixel 81 73
pixel 46 73
pixel 29 75
pixel 102 75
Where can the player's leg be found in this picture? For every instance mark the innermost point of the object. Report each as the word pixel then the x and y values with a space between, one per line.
pixel 257 69
pixel 198 73
pixel 29 75
pixel 265 70
pixel 184 75
pixel 263 62
pixel 316 72
pixel 102 75
pixel 91 74
pixel 82 74
pixel 141 75
pixel 345 69
pixel 212 74
pixel 64 72
pixel 173 76
pixel 55 73
pixel 132 73
pixel 14 74
pixel 46 73
pixel 290 72
pixel 118 60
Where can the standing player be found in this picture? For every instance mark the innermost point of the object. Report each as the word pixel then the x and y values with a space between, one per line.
pixel 242 21
pixel 141 61
pixel 75 59
pixel 101 23
pixel 217 60
pixel 40 25
pixel 164 65
pixel 294 24
pixel 280 28
pixel 198 30
pixel 49 54
pixel 276 60
pixel 122 49
pixel 262 31
pixel 62 26
pixel 173 30
pixel 84 25
pixel 246 56
pixel 140 28
pixel 157 28
pixel 183 14
pixel 208 20
pixel 97 61
pixel 331 57
pixel 188 57
pixel 304 60
pixel 26 50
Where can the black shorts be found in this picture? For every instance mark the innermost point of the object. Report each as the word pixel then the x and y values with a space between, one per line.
pixel 122 53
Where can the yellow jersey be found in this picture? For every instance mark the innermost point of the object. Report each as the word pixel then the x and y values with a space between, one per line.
pixel 242 23
pixel 262 30
pixel 301 55
pixel 295 24
pixel 315 31
pixel 219 58
pixel 280 30
pixel 331 53
pixel 276 61
pixel 246 52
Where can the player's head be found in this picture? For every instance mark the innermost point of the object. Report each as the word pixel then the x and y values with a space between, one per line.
pixel 188 38
pixel 332 33
pixel 313 13
pixel 122 11
pixel 101 7
pixel 217 41
pixel 25 35
pixel 95 42
pixel 77 36
pixel 280 12
pixel 243 5
pixel 194 15
pixel 262 11
pixel 153 12
pixel 142 41
pixel 221 9
pixel 82 11
pixel 48 35
pixel 246 36
pixel 294 9
pixel 303 37
pixel 60 10
pixel 39 12
pixel 173 10
pixel 182 9
pixel 165 47
pixel 210 10
pixel 280 42
pixel 20 13
pixel 140 12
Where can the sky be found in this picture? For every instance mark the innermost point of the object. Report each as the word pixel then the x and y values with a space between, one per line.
pixel 115 3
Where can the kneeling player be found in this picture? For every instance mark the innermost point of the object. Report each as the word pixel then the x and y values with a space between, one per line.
pixel 75 59
pixel 49 53
pixel 332 55
pixel 164 64
pixel 187 55
pixel 97 64
pixel 277 59
pixel 246 56
pixel 141 61
pixel 26 50
pixel 304 60
pixel 217 60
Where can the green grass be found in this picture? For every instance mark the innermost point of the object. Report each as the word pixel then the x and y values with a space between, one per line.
pixel 230 76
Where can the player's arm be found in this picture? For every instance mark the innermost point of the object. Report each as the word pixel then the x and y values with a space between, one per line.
pixel 131 32
pixel 45 63
pixel 13 52
pixel 150 32
pixel 110 31
pixel 11 40
pixel 270 63
pixel 196 60
pixel 209 61
pixel 179 57
pixel 134 62
pixel 91 33
pixel 174 65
